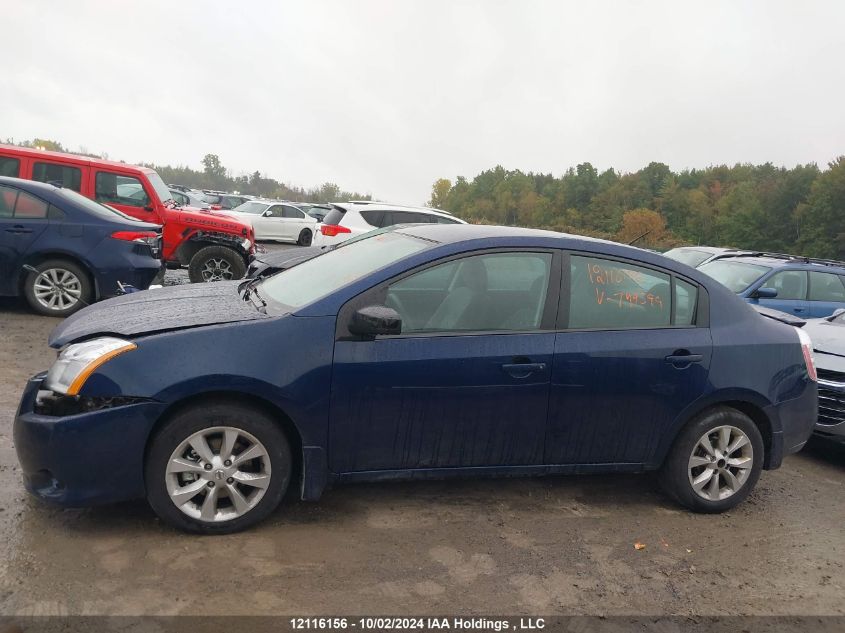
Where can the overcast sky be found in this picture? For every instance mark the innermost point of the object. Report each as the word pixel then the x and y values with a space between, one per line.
pixel 385 97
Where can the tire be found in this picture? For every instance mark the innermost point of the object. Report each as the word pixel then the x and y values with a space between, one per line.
pixel 72 284
pixel 688 473
pixel 216 263
pixel 305 237
pixel 213 509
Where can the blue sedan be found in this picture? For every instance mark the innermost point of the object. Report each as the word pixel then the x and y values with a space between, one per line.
pixel 63 251
pixel 421 352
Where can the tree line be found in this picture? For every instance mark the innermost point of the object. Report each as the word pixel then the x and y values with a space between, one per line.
pixel 761 207
pixel 214 175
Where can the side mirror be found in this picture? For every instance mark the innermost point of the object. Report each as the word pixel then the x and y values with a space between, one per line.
pixel 267 213
pixel 766 293
pixel 374 320
pixel 836 313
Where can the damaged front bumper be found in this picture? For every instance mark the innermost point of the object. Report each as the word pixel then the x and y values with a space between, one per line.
pixel 82 451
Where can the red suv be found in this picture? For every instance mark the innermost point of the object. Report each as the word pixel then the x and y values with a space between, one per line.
pixel 213 246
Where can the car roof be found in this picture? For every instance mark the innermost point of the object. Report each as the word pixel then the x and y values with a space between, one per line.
pixel 783 261
pixel 446 233
pixel 385 206
pixel 67 156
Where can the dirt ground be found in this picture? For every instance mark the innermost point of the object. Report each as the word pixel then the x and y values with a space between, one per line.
pixel 560 545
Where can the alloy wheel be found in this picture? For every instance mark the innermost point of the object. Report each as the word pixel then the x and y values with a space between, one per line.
pixel 217 269
pixel 57 289
pixel 218 474
pixel 720 463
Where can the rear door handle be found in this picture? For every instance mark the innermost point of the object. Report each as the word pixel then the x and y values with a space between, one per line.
pixel 683 359
pixel 18 230
pixel 523 370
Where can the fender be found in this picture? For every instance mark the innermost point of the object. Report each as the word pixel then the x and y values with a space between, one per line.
pixel 707 401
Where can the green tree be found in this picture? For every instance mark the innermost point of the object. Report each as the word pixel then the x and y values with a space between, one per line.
pixel 821 220
pixel 440 193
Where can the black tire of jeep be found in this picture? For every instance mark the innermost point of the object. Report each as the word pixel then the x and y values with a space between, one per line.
pixel 305 237
pixel 85 297
pixel 234 260
pixel 674 476
pixel 190 421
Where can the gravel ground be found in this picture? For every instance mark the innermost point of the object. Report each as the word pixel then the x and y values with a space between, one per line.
pixel 559 545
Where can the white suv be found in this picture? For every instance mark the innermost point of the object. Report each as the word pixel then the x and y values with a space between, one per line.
pixel 348 219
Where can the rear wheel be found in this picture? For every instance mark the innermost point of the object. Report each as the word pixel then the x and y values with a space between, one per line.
pixel 57 288
pixel 305 237
pixel 216 263
pixel 217 468
pixel 715 461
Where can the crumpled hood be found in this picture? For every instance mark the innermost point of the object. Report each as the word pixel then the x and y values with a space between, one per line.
pixel 157 310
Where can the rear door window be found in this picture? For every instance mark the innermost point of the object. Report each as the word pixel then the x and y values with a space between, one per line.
pixel 28 207
pixel 826 287
pixel 292 213
pixel 10 166
pixel 65 175
pixel 606 294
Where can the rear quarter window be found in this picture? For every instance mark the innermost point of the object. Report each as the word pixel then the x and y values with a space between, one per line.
pixel 10 166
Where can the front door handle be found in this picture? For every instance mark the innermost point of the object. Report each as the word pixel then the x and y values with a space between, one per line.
pixel 17 230
pixel 522 370
pixel 680 361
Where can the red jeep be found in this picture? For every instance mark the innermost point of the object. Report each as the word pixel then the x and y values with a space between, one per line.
pixel 213 246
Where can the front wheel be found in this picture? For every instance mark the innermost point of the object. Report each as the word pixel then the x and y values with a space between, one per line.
pixel 217 469
pixel 715 461
pixel 305 237
pixel 216 263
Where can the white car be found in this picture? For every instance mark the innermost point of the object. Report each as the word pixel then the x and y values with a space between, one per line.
pixel 349 219
pixel 274 220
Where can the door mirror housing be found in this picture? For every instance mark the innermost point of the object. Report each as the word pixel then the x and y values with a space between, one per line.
pixel 836 313
pixel 372 321
pixel 267 213
pixel 766 293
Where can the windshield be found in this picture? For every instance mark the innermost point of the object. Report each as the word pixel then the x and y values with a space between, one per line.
pixel 735 275
pixel 95 207
pixel 323 275
pixel 161 189
pixel 256 208
pixel 688 256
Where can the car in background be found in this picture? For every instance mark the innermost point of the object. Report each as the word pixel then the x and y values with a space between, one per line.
pixel 808 288
pixel 348 219
pixel 317 211
pixel 828 336
pixel 211 246
pixel 275 220
pixel 177 187
pixel 188 199
pixel 62 251
pixel 696 256
pixel 224 201
pixel 426 351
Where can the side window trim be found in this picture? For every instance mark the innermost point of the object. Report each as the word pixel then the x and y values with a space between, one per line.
pixel 702 306
pixel 377 295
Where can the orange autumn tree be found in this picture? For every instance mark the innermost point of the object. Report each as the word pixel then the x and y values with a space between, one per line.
pixel 646 229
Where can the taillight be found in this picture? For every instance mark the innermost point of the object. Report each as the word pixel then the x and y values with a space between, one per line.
pixel 135 236
pixel 330 230
pixel 807 349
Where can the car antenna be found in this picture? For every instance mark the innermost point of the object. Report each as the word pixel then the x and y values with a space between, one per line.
pixel 637 239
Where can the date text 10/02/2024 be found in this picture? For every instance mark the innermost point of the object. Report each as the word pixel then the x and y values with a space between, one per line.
pixel 416 624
